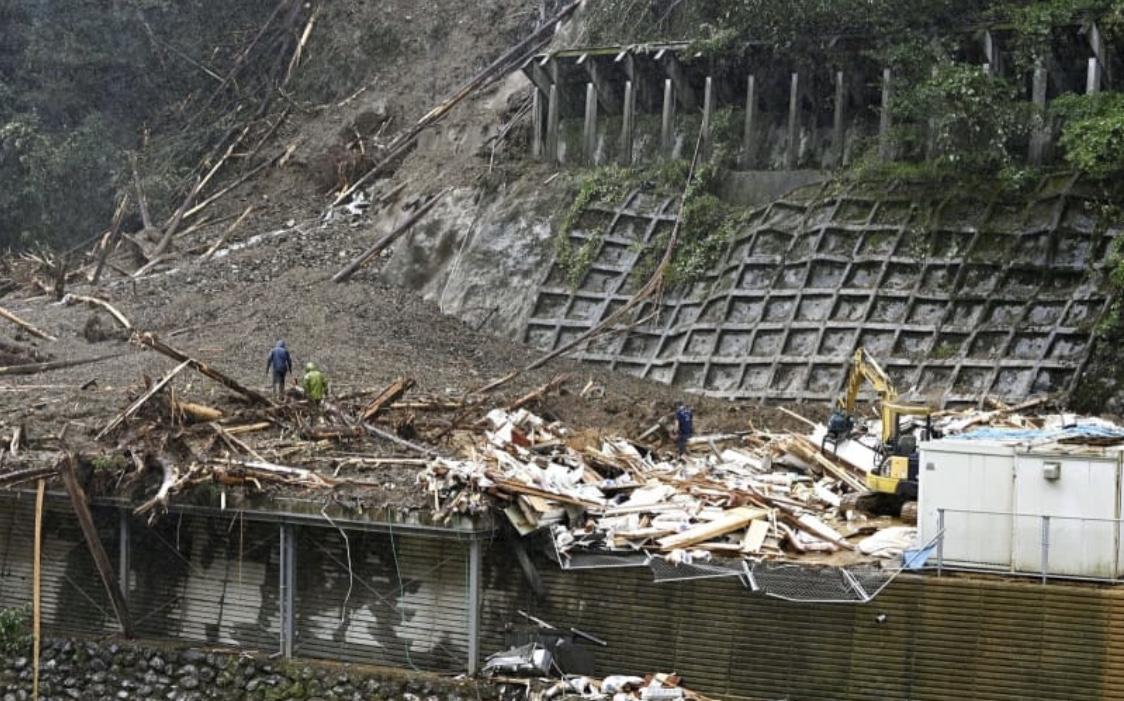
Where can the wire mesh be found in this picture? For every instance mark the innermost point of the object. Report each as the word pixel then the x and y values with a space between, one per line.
pixel 664 571
pixel 819 584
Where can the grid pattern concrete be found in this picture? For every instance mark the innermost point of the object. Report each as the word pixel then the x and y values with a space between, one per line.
pixel 958 297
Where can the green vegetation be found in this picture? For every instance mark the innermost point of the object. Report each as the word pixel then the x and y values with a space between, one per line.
pixel 707 225
pixel 15 630
pixel 82 84
pixel 1092 132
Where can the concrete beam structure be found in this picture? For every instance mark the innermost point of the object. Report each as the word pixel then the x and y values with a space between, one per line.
pixel 708 115
pixel 838 121
pixel 627 123
pixel 608 98
pixel 537 117
pixel 1100 50
pixel 793 131
pixel 474 566
pixel 667 122
pixel 1040 137
pixel 747 158
pixel 553 117
pixel 885 123
pixel 589 129
pixel 673 69
pixel 993 64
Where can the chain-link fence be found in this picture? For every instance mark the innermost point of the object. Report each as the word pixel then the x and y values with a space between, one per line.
pixel 782 580
pixel 1039 545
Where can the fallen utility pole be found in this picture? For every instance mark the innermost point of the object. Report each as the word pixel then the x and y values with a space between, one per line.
pixel 387 240
pixel 151 341
pixel 90 531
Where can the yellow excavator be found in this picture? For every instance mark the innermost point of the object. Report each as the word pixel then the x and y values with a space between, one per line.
pixel 896 459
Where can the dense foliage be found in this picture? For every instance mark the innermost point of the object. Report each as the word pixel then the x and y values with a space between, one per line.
pixel 81 83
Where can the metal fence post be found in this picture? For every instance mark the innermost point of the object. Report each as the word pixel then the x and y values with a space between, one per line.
pixel 474 549
pixel 124 552
pixel 287 593
pixel 940 541
pixel 1045 547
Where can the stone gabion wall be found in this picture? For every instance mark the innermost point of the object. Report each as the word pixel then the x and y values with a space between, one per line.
pixel 92 671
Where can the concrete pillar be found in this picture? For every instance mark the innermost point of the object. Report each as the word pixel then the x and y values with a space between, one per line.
pixel 474 557
pixel 537 125
pixel 124 552
pixel 589 130
pixel 628 110
pixel 287 590
pixel 992 65
pixel 793 121
pixel 707 116
pixel 1040 138
pixel 1100 50
pixel 885 147
pixel 553 109
pixel 667 125
pixel 838 123
pixel 748 143
pixel 1093 76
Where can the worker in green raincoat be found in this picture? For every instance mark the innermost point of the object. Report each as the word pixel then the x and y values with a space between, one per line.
pixel 315 388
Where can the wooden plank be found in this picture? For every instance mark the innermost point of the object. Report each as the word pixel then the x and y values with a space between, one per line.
pixel 90 532
pixel 755 536
pixel 731 520
pixel 388 396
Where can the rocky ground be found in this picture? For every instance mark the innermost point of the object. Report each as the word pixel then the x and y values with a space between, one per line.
pixel 87 670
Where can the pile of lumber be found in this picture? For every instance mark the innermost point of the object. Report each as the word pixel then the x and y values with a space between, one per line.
pixel 761 496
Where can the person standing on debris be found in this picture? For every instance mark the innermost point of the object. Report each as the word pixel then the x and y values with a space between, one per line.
pixel 279 364
pixel 315 388
pixel 685 422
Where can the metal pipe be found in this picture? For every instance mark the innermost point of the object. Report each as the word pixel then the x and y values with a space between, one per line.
pixel 474 549
pixel 1045 548
pixel 287 584
pixel 940 543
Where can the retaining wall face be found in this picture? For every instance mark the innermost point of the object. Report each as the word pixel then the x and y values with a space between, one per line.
pixel 956 296
pixel 93 671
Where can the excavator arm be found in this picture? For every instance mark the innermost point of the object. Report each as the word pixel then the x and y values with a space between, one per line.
pixel 863 367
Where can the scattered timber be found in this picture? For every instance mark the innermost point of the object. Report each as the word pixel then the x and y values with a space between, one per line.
pixel 38 333
pixel 380 245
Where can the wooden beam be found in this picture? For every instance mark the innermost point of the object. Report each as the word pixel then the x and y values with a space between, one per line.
pixel 90 532
pixel 730 520
pixel 392 393
pixel 151 341
pixel 36 368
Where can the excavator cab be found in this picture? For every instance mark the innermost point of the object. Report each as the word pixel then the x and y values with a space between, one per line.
pixel 895 473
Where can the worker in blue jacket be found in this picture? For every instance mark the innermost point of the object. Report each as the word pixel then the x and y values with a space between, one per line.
pixel 279 364
pixel 685 422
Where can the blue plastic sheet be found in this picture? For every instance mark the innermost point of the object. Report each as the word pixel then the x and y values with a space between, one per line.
pixel 1038 435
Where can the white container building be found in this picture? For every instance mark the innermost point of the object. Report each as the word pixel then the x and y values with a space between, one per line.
pixel 1024 506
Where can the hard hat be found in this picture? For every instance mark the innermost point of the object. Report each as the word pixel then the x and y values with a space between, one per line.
pixel 310 366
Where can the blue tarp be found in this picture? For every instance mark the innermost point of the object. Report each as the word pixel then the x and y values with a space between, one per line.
pixel 1089 429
